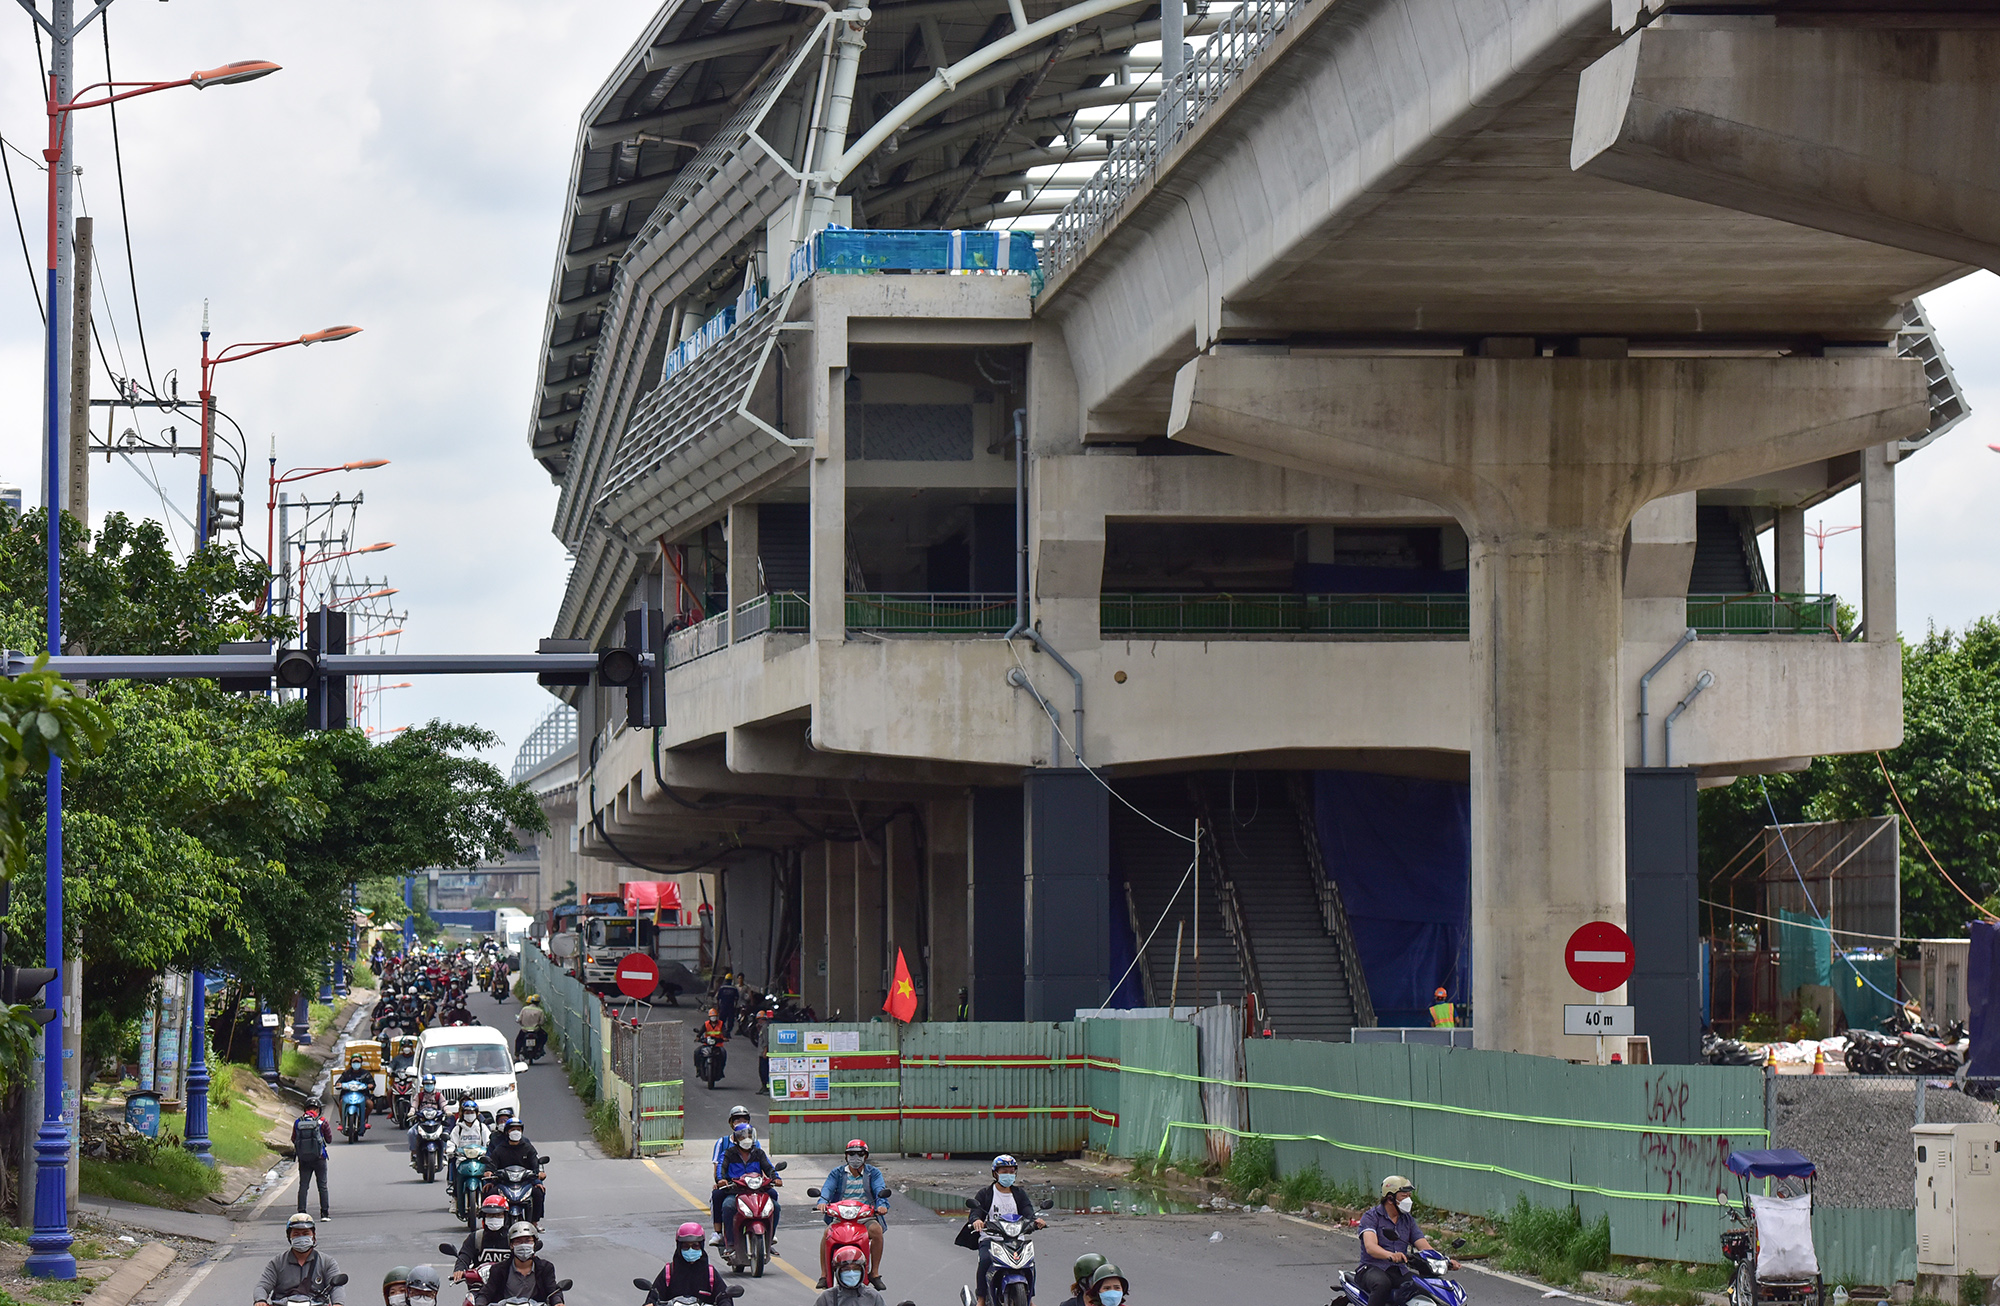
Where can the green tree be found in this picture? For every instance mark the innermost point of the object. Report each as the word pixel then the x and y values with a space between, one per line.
pixel 1945 771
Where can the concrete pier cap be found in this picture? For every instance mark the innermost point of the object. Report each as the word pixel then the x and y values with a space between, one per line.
pixel 1544 461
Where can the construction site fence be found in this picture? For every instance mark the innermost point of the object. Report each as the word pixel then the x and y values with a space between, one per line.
pixel 1642 1145
pixel 636 1069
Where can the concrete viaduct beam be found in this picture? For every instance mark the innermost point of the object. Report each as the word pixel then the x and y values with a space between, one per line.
pixel 1880 133
pixel 1545 461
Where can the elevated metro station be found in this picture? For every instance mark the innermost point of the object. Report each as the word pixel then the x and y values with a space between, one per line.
pixel 1287 498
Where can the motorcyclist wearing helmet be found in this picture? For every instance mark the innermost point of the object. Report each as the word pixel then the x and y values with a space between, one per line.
pixel 427 1095
pixel 486 1245
pixel 850 1287
pixel 858 1179
pixel 1080 1272
pixel 468 1130
pixel 999 1200
pixel 529 1019
pixel 424 1285
pixel 395 1287
pixel 743 1157
pixel 1389 1237
pixel 509 1145
pixel 688 1273
pixel 525 1274
pixel 300 1268
pixel 738 1115
pixel 359 1078
pixel 1108 1286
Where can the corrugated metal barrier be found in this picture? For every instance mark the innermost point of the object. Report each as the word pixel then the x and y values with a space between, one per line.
pixel 574 1023
pixel 1865 1244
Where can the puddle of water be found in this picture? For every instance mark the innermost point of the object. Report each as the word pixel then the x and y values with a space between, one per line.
pixel 1096 1201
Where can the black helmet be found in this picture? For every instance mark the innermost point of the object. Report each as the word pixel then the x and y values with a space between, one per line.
pixel 1086 1265
pixel 424 1278
pixel 1107 1272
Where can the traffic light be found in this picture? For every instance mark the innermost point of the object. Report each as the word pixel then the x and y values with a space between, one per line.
pixel 624 667
pixel 326 695
pixel 225 512
pixel 23 984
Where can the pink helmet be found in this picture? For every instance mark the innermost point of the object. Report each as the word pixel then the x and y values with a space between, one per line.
pixel 691 1229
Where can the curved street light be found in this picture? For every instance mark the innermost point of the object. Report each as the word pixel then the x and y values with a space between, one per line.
pixel 209 362
pixel 271 500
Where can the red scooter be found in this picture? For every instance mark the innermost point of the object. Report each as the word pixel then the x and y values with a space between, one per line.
pixel 755 1204
pixel 847 1230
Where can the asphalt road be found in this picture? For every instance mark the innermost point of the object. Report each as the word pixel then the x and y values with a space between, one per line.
pixel 611 1220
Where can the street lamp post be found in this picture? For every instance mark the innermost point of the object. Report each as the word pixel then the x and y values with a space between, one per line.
pixel 305 562
pixel 49 1244
pixel 209 362
pixel 271 503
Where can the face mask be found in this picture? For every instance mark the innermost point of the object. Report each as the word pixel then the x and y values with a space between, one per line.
pixel 1405 1205
pixel 399 1299
pixel 302 1243
pixel 1111 1296
pixel 513 1135
pixel 852 1278
pixel 428 1299
pixel 524 1251
pixel 1004 1180
pixel 690 1253
pixel 495 1223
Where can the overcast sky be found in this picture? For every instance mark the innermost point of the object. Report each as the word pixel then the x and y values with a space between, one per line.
pixel 405 172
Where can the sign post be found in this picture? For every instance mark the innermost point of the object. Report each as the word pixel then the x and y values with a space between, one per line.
pixel 1599 957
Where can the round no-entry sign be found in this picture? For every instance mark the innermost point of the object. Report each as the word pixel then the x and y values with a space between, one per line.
pixel 1599 956
pixel 638 976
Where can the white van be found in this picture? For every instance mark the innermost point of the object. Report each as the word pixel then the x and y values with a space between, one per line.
pixel 475 1061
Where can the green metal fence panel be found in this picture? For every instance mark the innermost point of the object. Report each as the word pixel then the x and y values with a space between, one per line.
pixel 1865 1244
pixel 1142 1075
pixel 861 1068
pixel 662 1117
pixel 1762 614
pixel 1436 615
pixel 985 1086
pixel 1477 1130
pixel 573 1012
pixel 932 614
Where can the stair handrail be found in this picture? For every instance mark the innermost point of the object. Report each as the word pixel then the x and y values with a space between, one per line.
pixel 1230 907
pixel 1144 968
pixel 1332 911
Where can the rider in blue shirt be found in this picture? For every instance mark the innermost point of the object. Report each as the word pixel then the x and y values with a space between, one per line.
pixel 858 1179
pixel 744 1156
pixel 738 1115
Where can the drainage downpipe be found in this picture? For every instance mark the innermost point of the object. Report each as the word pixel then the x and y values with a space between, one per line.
pixel 1021 628
pixel 851 34
pixel 1701 682
pixel 1687 637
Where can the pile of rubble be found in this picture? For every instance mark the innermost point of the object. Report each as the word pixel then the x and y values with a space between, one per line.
pixel 107 1138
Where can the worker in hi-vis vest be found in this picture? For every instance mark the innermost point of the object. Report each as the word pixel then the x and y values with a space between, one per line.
pixel 1443 1015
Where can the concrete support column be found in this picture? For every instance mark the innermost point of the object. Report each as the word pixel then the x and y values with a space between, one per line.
pixel 1878 544
pixel 1545 461
pixel 1788 550
pixel 745 579
pixel 814 952
pixel 829 508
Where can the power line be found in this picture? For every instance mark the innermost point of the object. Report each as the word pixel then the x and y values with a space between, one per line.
pixel 34 281
pixel 124 214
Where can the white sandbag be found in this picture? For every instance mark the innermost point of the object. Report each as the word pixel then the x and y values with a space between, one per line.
pixel 1784 1237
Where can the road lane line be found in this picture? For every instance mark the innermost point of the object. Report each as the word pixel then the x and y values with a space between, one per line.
pixel 689 1197
pixel 201 1272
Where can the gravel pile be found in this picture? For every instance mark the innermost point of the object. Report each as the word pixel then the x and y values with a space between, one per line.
pixel 1857 1130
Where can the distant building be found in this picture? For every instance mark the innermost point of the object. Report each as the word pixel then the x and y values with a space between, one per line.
pixel 10 495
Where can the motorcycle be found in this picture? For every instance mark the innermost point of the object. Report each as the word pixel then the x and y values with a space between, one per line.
pixel 645 1286
pixel 516 1183
pixel 534 1045
pixel 311 1298
pixel 475 1273
pixel 847 1230
pixel 353 1113
pixel 1727 1052
pixel 562 1285
pixel 430 1141
pixel 754 1206
pixel 709 1059
pixel 1868 1052
pixel 1426 1286
pixel 500 988
pixel 1010 1245
pixel 402 1092
pixel 469 1167
pixel 1921 1052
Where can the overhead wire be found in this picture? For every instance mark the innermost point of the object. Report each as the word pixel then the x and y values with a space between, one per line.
pixel 1832 940
pixel 124 214
pixel 34 280
pixel 1976 904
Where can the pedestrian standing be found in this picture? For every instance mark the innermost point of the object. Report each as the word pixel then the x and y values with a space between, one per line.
pixel 727 996
pixel 312 1136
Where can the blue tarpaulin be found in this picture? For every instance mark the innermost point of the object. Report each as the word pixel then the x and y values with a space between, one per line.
pixel 1400 851
pixel 1982 984
pixel 1779 1163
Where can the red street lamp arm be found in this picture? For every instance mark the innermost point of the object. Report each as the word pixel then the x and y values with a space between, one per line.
pixel 301 473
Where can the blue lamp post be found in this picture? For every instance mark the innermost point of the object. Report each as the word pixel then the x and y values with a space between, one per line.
pixel 197 1079
pixel 267 1050
pixel 302 1033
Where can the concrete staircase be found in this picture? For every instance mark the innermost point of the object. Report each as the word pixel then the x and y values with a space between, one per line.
pixel 1151 862
pixel 1260 843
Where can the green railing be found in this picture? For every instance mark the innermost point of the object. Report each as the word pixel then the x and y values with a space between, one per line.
pixel 786 610
pixel 1436 615
pixel 931 614
pixel 1762 614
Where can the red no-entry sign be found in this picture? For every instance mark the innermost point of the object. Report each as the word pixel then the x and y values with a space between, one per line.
pixel 1599 956
pixel 638 976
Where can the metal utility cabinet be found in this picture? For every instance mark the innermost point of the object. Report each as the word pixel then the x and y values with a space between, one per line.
pixel 1958 1199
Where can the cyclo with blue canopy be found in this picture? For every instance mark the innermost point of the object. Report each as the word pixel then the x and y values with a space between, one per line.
pixel 1769 1237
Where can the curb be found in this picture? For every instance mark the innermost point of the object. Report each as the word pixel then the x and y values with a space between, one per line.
pixel 131 1278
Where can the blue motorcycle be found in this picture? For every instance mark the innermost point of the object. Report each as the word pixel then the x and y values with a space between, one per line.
pixel 516 1183
pixel 353 1112
pixel 1425 1286
pixel 470 1174
pixel 430 1129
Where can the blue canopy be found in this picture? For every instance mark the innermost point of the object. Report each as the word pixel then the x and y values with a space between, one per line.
pixel 1781 1163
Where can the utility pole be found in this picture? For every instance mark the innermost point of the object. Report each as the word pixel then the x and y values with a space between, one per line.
pixel 76 490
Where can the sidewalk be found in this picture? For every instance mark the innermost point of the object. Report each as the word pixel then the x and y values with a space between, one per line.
pixel 182 1224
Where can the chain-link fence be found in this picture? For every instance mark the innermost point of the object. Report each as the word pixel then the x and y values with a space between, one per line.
pixel 1856 1129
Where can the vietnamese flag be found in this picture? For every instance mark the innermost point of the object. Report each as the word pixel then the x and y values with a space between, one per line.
pixel 902 1000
